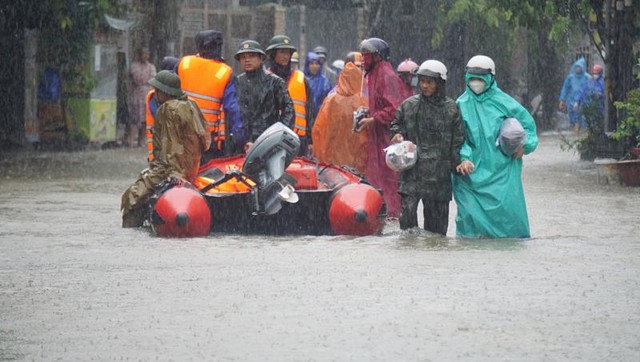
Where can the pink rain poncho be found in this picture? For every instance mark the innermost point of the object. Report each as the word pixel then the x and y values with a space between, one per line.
pixel 140 73
pixel 386 93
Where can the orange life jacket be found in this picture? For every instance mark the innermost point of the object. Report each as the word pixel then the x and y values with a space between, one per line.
pixel 298 94
pixel 149 121
pixel 196 81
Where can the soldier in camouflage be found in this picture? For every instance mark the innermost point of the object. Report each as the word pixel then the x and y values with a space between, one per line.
pixel 180 135
pixel 432 121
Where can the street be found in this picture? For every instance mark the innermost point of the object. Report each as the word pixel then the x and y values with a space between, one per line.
pixel 76 286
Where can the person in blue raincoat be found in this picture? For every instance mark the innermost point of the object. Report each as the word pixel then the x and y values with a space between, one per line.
pixel 488 187
pixel 570 93
pixel 592 96
pixel 320 86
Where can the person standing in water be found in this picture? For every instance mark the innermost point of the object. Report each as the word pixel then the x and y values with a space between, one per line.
pixel 488 187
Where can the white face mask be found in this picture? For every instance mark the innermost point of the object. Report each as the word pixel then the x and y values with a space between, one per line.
pixel 476 85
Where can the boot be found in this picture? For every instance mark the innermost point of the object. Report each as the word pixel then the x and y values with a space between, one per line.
pixel 134 218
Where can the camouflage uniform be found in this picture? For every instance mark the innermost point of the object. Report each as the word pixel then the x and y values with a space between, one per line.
pixel 435 126
pixel 179 136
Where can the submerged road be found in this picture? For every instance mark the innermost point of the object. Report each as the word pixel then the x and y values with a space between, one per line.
pixel 75 286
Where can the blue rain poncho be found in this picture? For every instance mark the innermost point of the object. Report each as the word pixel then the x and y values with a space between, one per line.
pixel 573 84
pixel 320 85
pixel 491 200
pixel 571 90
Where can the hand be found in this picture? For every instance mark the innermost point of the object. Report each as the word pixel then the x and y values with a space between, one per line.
pixel 310 151
pixel 365 123
pixel 247 146
pixel 465 167
pixel 519 153
pixel 562 106
pixel 575 107
pixel 397 138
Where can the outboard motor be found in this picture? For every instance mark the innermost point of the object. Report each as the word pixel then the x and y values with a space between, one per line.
pixel 265 163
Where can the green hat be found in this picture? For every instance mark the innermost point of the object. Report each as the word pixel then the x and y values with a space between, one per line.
pixel 249 46
pixel 280 42
pixel 167 82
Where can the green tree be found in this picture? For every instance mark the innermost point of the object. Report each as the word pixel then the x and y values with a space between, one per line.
pixel 451 31
pixel 456 29
pixel 613 28
pixel 66 35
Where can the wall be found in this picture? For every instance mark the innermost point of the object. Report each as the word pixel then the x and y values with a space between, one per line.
pixel 338 31
pixel 12 99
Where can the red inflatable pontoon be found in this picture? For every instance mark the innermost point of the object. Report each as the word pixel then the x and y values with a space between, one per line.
pixel 268 191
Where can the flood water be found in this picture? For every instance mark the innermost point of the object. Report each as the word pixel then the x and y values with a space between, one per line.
pixel 75 286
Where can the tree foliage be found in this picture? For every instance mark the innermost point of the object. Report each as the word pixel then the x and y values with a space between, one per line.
pixel 66 35
pixel 454 30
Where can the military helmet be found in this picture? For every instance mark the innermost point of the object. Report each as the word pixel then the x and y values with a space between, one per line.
pixel 280 42
pixel 167 82
pixel 249 46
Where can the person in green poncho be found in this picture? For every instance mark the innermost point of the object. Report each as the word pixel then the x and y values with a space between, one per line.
pixel 488 187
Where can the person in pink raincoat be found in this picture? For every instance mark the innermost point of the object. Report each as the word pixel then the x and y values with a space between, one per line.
pixel 141 72
pixel 386 93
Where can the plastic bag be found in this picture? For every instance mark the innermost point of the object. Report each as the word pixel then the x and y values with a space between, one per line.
pixel 358 115
pixel 401 156
pixel 512 137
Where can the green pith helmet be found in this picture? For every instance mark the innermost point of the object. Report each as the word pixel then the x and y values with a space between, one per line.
pixel 249 46
pixel 167 82
pixel 280 42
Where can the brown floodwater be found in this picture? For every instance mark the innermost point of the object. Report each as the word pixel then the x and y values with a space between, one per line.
pixel 76 286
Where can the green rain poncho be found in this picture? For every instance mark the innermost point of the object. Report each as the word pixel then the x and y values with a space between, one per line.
pixel 490 200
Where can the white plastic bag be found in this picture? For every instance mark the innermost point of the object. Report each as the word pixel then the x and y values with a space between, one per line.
pixel 401 156
pixel 512 137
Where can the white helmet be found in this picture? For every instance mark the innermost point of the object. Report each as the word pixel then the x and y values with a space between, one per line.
pixel 338 64
pixel 481 64
pixel 432 68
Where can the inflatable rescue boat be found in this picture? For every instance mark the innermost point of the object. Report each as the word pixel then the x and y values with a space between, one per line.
pixel 268 191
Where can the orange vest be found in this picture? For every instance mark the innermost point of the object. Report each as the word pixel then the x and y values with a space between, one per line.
pixel 196 81
pixel 298 94
pixel 149 121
